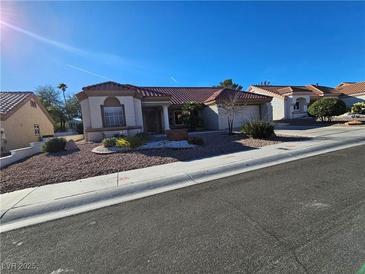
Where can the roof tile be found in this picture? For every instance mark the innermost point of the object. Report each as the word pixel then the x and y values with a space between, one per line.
pixel 10 99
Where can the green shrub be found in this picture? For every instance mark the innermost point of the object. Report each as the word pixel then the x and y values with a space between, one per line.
pixel 55 145
pixel 325 108
pixel 358 108
pixel 135 141
pixel 190 115
pixel 258 129
pixel 143 136
pixel 109 142
pixel 131 142
pixel 195 140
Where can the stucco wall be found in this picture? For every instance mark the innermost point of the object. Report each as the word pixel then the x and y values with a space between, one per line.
pixel 266 112
pixel 85 111
pixel 91 111
pixel 244 114
pixel 138 112
pixel 278 108
pixel 19 127
pixel 292 113
pixel 210 117
pixel 21 153
pixel 350 100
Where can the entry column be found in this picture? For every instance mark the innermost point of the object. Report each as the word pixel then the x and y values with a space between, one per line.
pixel 165 110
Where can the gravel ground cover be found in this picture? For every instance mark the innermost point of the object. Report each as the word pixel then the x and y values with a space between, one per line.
pixel 65 166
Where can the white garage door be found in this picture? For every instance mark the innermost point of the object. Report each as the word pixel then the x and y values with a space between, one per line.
pixel 245 113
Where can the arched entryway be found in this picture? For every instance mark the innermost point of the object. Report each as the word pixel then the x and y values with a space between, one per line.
pixel 299 105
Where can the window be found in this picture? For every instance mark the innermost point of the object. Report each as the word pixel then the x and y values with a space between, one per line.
pixel 33 104
pixel 296 106
pixel 37 131
pixel 178 118
pixel 114 116
pixel 113 113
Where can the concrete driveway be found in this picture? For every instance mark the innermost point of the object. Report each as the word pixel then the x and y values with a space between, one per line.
pixel 317 131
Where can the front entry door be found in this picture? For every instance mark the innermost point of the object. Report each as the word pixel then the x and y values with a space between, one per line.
pixel 152 120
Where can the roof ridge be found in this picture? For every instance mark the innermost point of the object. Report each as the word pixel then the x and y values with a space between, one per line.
pixel 187 87
pixel 15 91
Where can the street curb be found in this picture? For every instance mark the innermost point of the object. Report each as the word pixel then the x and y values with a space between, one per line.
pixel 34 214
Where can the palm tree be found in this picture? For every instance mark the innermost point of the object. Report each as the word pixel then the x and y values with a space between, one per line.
pixel 63 87
pixel 228 83
pixel 265 83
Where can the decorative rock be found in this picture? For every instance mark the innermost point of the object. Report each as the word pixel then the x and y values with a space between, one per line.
pixel 167 144
pixel 71 146
pixel 108 150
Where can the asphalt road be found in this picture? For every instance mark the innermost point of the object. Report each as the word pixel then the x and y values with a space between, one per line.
pixel 306 216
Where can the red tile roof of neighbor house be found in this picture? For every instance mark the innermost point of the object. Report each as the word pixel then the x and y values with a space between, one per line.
pixel 351 88
pixel 181 95
pixel 9 100
pixel 284 90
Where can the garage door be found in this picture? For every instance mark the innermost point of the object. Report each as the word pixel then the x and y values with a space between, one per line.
pixel 245 113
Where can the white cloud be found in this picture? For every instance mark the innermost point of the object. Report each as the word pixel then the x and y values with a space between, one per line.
pixel 101 57
pixel 88 72
pixel 173 79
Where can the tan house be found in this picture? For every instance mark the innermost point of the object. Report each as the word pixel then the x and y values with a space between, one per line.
pixel 111 108
pixel 23 120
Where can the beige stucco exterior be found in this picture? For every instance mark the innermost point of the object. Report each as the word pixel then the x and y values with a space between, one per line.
pixel 215 117
pixel 19 126
pixel 283 106
pixel 93 121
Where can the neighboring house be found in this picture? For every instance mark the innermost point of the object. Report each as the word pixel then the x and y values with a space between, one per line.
pixel 352 92
pixel 23 120
pixel 290 102
pixel 111 108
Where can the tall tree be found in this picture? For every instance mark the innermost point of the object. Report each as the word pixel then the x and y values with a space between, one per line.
pixel 73 108
pixel 230 107
pixel 49 97
pixel 63 87
pixel 228 83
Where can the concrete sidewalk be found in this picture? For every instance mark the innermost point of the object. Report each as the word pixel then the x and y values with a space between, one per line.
pixel 44 203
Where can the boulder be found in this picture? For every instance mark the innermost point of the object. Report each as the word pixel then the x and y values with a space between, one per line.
pixel 71 146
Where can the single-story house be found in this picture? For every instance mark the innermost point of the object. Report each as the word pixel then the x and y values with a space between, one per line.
pixel 351 92
pixel 290 102
pixel 23 120
pixel 111 108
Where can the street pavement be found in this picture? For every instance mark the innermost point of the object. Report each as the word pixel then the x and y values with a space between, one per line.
pixel 305 216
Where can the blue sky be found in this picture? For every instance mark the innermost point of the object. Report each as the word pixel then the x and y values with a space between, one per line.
pixel 180 43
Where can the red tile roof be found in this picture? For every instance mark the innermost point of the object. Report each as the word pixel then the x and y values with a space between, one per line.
pixel 181 95
pixel 315 89
pixel 352 88
pixel 116 86
pixel 11 99
pixel 243 96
